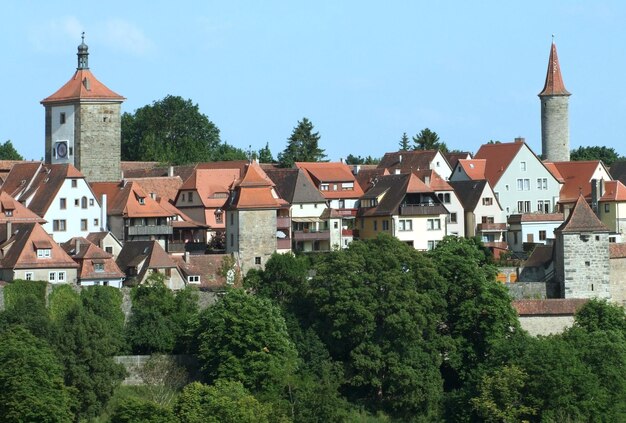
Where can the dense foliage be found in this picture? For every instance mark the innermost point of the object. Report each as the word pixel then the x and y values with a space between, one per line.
pixel 8 152
pixel 608 155
pixel 429 140
pixel 302 145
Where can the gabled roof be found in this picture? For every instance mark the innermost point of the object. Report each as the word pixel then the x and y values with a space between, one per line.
pixel 408 161
pixel 554 171
pixel 582 219
pixel 124 199
pixel 576 177
pixel 150 253
pixel 365 177
pixel 254 191
pixel 19 249
pixel 554 81
pixel 432 180
pixel 617 250
pixel 212 185
pixel 498 157
pixel 38 184
pixel 614 191
pixel 453 158
pixel 15 212
pixel 294 187
pixel 83 86
pixel 87 255
pixel 162 186
pixel 206 266
pixel 331 172
pixel 183 220
pixel 469 192
pixel 473 168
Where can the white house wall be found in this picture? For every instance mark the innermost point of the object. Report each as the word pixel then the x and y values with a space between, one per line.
pixel 73 214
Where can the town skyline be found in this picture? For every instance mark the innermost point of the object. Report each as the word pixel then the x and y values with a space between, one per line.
pixel 470 73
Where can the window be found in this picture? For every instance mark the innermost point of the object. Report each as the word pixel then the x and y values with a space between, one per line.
pixel 74 183
pixel 405 225
pixel 257 260
pixel 8 213
pixel 376 225
pixel 347 186
pixel 28 276
pixel 444 198
pixel 523 206
pixel 453 218
pixel 433 224
pixel 83 203
pixel 83 224
pixel 219 216
pixel 342 204
pixel 91 202
pixel 232 219
pixel 324 187
pixel 61 118
pixel 607 208
pixel 523 184
pixel 232 240
pixel 543 206
pixel 52 276
pixel 76 202
pixel 522 166
pixel 108 250
pixel 336 225
pixel 58 225
pixel 142 200
pixel 62 203
pixel 193 279
pixel 487 201
pixel 432 245
pixel 44 253
pixel 61 276
pixel 542 183
pixel 487 219
pixel 96 222
pixel 190 197
pixel 542 235
pixel 98 267
pixel 385 225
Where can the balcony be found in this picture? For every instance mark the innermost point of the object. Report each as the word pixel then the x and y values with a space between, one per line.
pixel 283 222
pixel 181 247
pixel 491 227
pixel 150 230
pixel 311 235
pixel 422 209
pixel 283 243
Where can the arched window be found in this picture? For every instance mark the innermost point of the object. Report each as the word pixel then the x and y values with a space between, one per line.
pixel 83 203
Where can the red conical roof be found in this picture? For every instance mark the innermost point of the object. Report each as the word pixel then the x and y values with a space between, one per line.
pixel 83 86
pixel 554 81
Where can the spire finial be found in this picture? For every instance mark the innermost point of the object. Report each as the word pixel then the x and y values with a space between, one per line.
pixel 552 38
pixel 83 53
pixel 82 36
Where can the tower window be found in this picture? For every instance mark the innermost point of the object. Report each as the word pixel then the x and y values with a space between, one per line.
pixel 62 118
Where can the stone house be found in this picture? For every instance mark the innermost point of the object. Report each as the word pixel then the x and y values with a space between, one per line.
pixel 139 259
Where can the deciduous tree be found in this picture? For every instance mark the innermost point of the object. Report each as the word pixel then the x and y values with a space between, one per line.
pixel 608 155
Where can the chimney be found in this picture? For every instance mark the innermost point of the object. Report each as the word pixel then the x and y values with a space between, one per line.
pixel 9 229
pixel 170 171
pixel 76 246
pixel 520 140
pixel 103 213
pixel 186 256
pixel 400 159
pixel 596 193
pixel 427 180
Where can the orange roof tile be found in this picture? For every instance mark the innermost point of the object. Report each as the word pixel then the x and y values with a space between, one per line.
pixel 554 81
pixel 556 306
pixel 474 168
pixel 329 172
pixel 435 182
pixel 416 185
pixel 554 171
pixel 163 186
pixel 85 87
pixel 254 191
pixel 582 219
pixel 614 191
pixel 87 255
pixel 617 250
pixel 15 212
pixel 498 157
pixel 576 177
pixel 126 198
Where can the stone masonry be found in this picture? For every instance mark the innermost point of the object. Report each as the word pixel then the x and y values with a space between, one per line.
pixel 585 268
pixel 257 237
pixel 555 128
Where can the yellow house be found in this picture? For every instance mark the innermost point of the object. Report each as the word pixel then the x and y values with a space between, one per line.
pixel 612 206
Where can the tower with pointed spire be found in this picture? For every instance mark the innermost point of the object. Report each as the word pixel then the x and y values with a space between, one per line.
pixel 554 113
pixel 83 124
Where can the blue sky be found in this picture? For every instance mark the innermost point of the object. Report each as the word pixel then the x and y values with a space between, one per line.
pixel 363 72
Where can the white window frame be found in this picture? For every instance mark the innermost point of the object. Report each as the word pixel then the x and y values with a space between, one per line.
pixel 434 224
pixel 405 225
pixel 28 276
pixel 193 279
pixel 61 277
pixel 52 276
pixel 44 253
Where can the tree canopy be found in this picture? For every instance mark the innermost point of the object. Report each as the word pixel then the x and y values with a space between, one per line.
pixel 302 145
pixel 8 152
pixel 355 160
pixel 404 144
pixel 428 140
pixel 171 130
pixel 265 155
pixel 608 155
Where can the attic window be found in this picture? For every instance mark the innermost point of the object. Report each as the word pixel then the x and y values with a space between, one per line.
pixel 193 279
pixel 142 200
pixel 8 213
pixel 74 183
pixel 44 253
pixel 98 267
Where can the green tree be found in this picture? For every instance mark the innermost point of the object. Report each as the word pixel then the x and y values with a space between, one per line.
pixel 404 144
pixel 265 155
pixel 355 160
pixel 31 380
pixel 171 130
pixel 135 410
pixel 223 402
pixel 244 338
pixel 25 305
pixel 599 315
pixel 608 155
pixel 429 140
pixel 376 309
pixel 8 152
pixel 302 146
pixel 227 152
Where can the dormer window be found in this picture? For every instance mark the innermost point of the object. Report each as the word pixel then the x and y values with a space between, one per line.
pixel 193 279
pixel 324 187
pixel 8 213
pixel 142 200
pixel 44 253
pixel 98 267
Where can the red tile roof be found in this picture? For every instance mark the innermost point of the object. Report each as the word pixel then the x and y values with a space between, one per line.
pixel 416 185
pixel 582 219
pixel 549 307
pixel 87 255
pixel 435 182
pixel 554 171
pixel 254 191
pixel 614 191
pixel 554 81
pixel 474 168
pixel 617 250
pixel 124 199
pixel 85 87
pixel 330 172
pixel 207 266
pixel 576 177
pixel 163 186
pixel 13 211
pixel 212 185
pixel 498 157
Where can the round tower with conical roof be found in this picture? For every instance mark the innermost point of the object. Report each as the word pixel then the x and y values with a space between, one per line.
pixel 83 124
pixel 554 113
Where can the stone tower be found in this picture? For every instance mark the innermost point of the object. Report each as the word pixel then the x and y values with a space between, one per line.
pixel 582 254
pixel 83 124
pixel 554 113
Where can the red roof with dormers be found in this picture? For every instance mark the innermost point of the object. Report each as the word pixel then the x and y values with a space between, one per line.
pixel 576 178
pixel 129 199
pixel 86 254
pixel 498 157
pixel 85 87
pixel 614 191
pixel 330 173
pixel 254 191
pixel 473 168
pixel 435 182
pixel 554 81
pixel 15 212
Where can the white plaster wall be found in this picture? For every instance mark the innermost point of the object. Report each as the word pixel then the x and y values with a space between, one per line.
pixel 63 132
pixel 440 165
pixel 545 325
pixel 455 206
pixel 307 209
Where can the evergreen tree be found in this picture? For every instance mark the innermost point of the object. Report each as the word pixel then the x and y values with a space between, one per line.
pixel 8 152
pixel 404 142
pixel 302 146
pixel 265 155
pixel 429 140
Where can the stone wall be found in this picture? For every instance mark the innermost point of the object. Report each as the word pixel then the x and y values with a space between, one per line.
pixel 555 128
pixel 98 141
pixel 545 325
pixel 527 290
pixel 257 238
pixel 618 280
pixel 584 265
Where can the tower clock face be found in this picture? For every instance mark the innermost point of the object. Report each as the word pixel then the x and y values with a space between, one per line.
pixel 62 150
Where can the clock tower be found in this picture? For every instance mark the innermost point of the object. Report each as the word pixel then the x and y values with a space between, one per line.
pixel 83 124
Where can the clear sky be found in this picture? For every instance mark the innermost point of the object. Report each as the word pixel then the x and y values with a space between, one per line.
pixel 363 72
